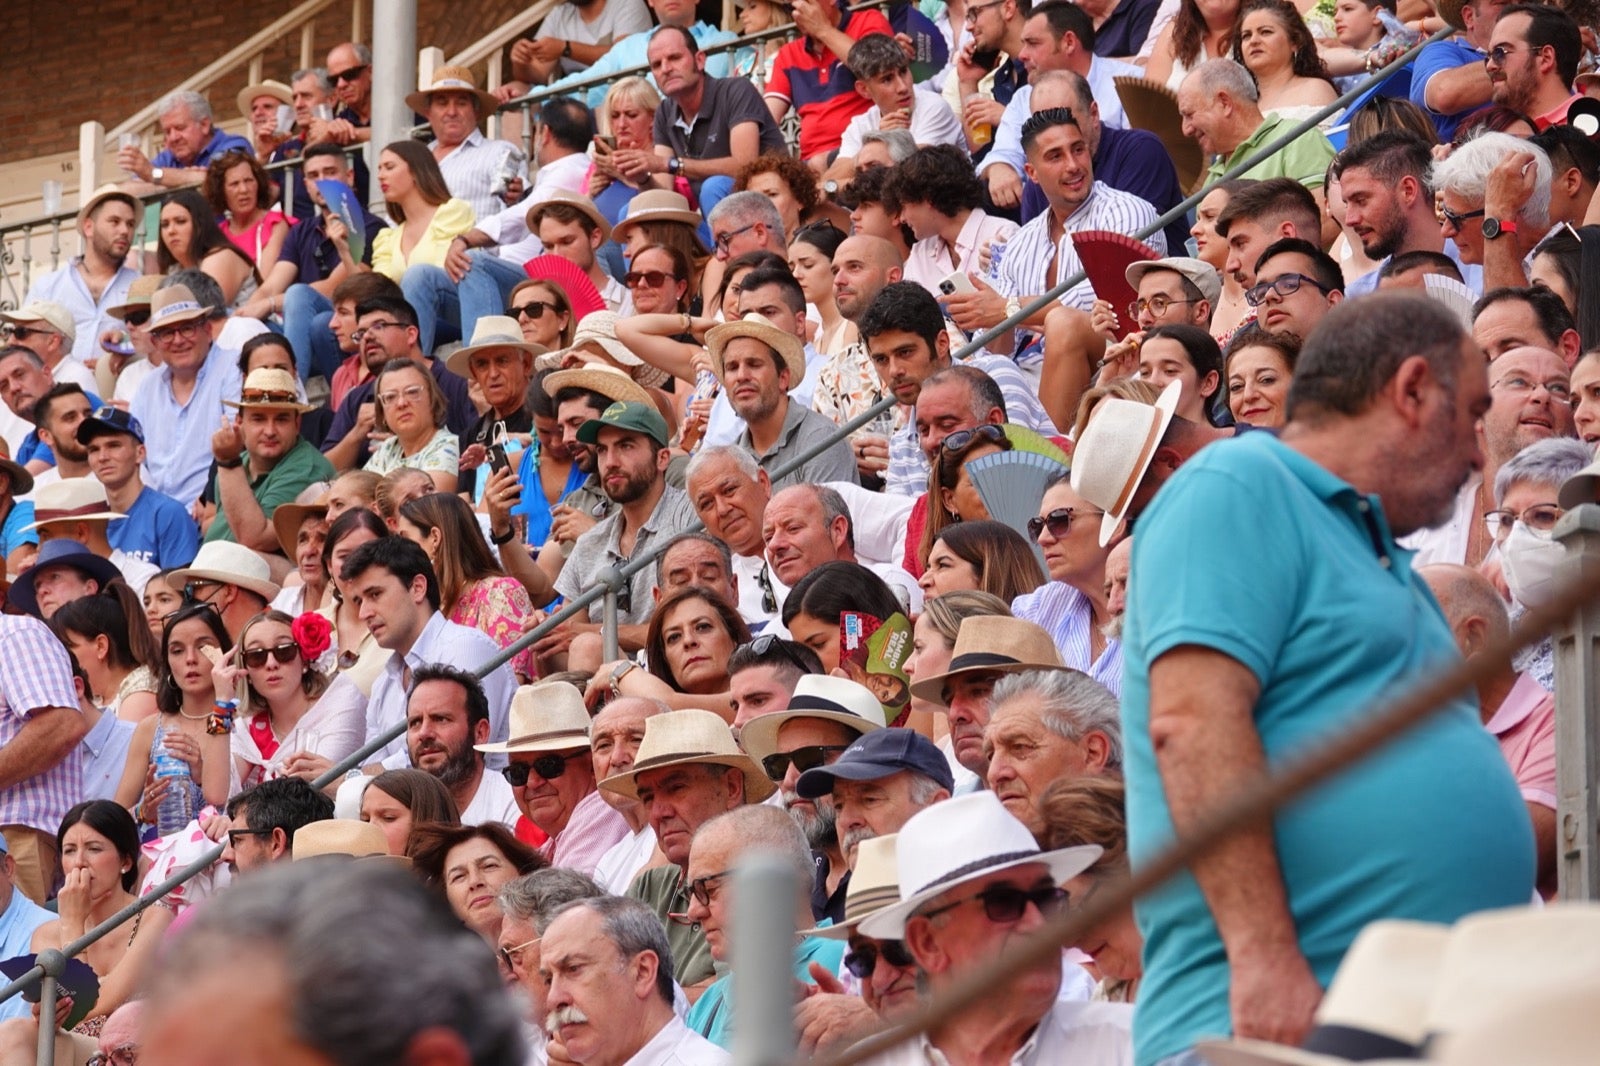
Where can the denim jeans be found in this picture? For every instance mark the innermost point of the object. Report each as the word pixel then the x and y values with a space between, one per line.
pixel 712 190
pixel 306 314
pixel 486 289
pixel 437 302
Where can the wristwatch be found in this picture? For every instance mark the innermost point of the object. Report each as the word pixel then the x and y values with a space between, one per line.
pixel 566 49
pixel 156 174
pixel 231 464
pixel 1494 227
pixel 499 539
pixel 674 165
pixel 1013 305
pixel 619 672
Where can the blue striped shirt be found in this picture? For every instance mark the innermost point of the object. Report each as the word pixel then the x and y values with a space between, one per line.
pixel 1063 612
pixel 1024 269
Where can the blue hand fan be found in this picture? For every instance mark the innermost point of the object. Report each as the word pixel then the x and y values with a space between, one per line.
pixel 1011 484
pixel 78 981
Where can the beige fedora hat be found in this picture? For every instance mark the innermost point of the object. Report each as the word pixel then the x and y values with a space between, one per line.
pixel 1115 451
pixel 228 563
pixel 1548 1026
pixel 492 333
pixel 1377 1006
pixel 992 643
pixel 546 717
pixel 48 313
pixel 452 80
pixel 656 205
pixel 690 738
pixel 341 836
pixel 288 517
pixel 108 192
pixel 571 199
pixel 832 699
pixel 608 381
pixel 173 305
pixel 600 329
pixel 269 388
pixel 788 347
pixel 275 89
pixel 140 292
pixel 874 885
pixel 72 499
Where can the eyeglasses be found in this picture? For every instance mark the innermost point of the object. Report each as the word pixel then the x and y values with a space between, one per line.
pixel 349 75
pixel 1517 385
pixel 767 643
pixel 512 956
pixel 972 12
pixel 863 960
pixel 121 1055
pixel 22 333
pixel 700 887
pixel 1540 518
pixel 653 278
pixel 725 239
pixel 1005 904
pixel 807 758
pixel 1283 285
pixel 191 592
pixel 548 767
pixel 359 334
pixel 410 394
pixel 1057 522
pixel 256 658
pixel 963 437
pixel 1458 221
pixel 534 309
pixel 136 318
pixel 1157 305
pixel 184 331
pixel 235 835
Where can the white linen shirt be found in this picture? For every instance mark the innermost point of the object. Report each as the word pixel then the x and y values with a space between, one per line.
pixel 1024 269
pixel 675 1044
pixel 932 122
pixel 471 168
pixel 66 287
pixel 930 260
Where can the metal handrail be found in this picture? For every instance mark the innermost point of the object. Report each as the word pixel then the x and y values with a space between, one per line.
pixel 611 580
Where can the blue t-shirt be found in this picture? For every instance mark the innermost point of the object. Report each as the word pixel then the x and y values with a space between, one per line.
pixel 712 1014
pixel 1430 829
pixel 12 536
pixel 1436 57
pixel 158 530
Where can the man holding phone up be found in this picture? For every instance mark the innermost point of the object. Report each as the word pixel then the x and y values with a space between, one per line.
pixel 498 364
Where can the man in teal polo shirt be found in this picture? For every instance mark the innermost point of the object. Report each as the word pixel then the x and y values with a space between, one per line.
pixel 1271 611
pixel 1220 108
pixel 262 461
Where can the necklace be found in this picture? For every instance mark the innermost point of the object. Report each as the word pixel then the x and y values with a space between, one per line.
pixel 194 717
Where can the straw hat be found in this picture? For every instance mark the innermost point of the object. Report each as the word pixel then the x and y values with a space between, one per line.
pixel 992 644
pixel 960 840
pixel 269 388
pixel 104 193
pixel 275 89
pixel 341 836
pixel 21 480
pixel 571 199
pixel 1115 451
pixel 656 205
pixel 600 328
pixel 452 79
pixel 1549 1026
pixel 139 294
pixel 287 518
pixel 72 499
pixel 1376 1007
pixel 492 333
pixel 690 738
pixel 59 552
pixel 874 885
pixel 228 563
pixel 785 346
pixel 547 717
pixel 608 381
pixel 173 305
pixel 47 313
pixel 831 699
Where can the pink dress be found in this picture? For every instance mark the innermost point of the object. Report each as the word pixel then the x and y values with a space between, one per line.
pixel 498 607
pixel 251 241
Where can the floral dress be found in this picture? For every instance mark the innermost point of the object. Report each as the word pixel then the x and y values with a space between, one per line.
pixel 498 607
pixel 442 453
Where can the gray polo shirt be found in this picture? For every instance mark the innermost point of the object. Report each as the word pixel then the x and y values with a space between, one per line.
pixel 727 103
pixel 802 429
pixel 601 546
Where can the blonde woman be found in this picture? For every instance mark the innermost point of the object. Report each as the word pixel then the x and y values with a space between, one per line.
pixel 627 124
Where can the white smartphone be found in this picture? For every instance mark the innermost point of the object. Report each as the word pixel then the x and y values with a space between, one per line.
pixel 956 281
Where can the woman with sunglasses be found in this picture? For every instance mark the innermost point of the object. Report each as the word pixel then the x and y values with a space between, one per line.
pixel 178 759
pixel 355 652
pixel 811 263
pixel 191 240
pixel 116 653
pixel 984 556
pixel 412 407
pixel 473 590
pixel 933 639
pixel 397 801
pixel 1072 606
pixel 543 312
pixel 951 495
pixel 658 277
pixel 468 864
pixel 691 637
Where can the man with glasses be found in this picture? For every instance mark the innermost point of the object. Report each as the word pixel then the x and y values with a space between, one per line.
pixel 1297 284
pixel 529 904
pixel 98 280
pixel 154 528
pixel 181 403
pixel 47 329
pixel 746 222
pixel 264 819
pixel 231 579
pixel 119 1038
pixel 1173 291
pixel 447 716
pixel 350 71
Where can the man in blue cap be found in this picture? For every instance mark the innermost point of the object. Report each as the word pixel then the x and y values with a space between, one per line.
pixel 65 570
pixel 154 528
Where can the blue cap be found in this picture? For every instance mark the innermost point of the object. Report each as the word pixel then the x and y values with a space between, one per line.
pixel 876 755
pixel 109 419
pixel 59 553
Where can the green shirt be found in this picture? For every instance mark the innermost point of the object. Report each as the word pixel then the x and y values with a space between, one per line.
pixel 299 467
pixel 663 891
pixel 1305 159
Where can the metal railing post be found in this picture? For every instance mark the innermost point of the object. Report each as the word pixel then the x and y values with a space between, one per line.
pixel 764 896
pixel 613 580
pixel 1577 660
pixel 54 964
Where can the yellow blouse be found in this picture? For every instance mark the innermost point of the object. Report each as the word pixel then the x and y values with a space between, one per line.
pixel 454 218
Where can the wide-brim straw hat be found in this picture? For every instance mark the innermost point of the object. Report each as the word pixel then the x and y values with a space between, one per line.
pixel 287 518
pixel 21 478
pixel 342 836
pixel 140 292
pixel 992 644
pixel 492 333
pixel 874 885
pixel 275 89
pixel 72 499
pixel 609 382
pixel 270 388
pixel 690 738
pixel 571 199
pixel 656 205
pixel 949 844
pixel 452 80
pixel 228 563
pixel 545 717
pixel 831 699
pixel 789 348
pixel 600 328
pixel 1116 450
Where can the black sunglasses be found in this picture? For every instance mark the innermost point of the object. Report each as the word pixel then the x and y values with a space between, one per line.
pixel 136 318
pixel 191 595
pixel 534 309
pixel 963 437
pixel 1057 522
pixel 1004 904
pixel 22 333
pixel 548 767
pixel 700 887
pixel 234 835
pixel 349 75
pixel 807 758
pixel 766 643
pixel 863 960
pixel 256 658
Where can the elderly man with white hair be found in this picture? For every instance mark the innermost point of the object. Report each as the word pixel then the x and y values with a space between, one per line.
pixel 1509 175
pixel 1220 107
pixel 1046 725
pixel 191 141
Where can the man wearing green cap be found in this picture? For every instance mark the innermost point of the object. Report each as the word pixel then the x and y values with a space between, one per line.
pixel 630 441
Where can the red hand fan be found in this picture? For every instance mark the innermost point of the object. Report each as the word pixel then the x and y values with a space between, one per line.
pixel 1106 257
pixel 565 275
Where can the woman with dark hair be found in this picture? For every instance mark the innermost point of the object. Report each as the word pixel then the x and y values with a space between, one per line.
pixel 1187 354
pixel 1201 30
pixel 473 590
pixel 811 263
pixel 240 192
pixel 1275 45
pixel 1210 247
pixel 691 636
pixel 116 651
pixel 355 652
pixel 412 408
pixel 425 217
pixel 187 743
pixel 664 219
pixel 1259 366
pixel 543 312
pixel 1496 118
pixel 160 600
pixel 659 278
pixel 398 801
pixel 984 556
pixel 812 610
pixel 468 864
pixel 951 497
pixel 191 240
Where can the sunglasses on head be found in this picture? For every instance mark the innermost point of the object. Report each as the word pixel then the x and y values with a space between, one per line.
pixel 256 658
pixel 963 437
pixel 1057 522
pixel 807 758
pixel 548 767
pixel 653 278
pixel 349 75
pixel 863 960
pixel 534 309
pixel 767 643
pixel 1005 904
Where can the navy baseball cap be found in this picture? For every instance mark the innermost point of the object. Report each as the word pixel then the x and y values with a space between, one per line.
pixel 109 419
pixel 878 754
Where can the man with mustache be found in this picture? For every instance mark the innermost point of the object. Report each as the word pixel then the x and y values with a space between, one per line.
pixel 1046 725
pixel 446 715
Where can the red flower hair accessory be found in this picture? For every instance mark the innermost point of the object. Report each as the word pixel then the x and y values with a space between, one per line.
pixel 313 633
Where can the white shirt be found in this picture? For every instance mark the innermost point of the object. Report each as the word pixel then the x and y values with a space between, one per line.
pixel 66 286
pixel 127 383
pixel 932 122
pixel 1447 542
pixel 675 1044
pixel 615 20
pixel 509 229
pixel 930 260
pixel 1024 270
pixel 493 802
pixel 471 168
pixel 441 641
pixel 136 572
pixel 623 860
pixel 753 599
pixel 71 372
pixel 1087 1034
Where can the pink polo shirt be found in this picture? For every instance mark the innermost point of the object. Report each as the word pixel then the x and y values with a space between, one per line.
pixel 1525 726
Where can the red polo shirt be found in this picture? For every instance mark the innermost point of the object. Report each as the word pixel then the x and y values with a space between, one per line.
pixel 821 88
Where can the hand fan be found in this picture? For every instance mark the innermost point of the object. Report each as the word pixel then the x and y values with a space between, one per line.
pixel 1106 257
pixel 78 981
pixel 1453 294
pixel 1011 484
pixel 566 276
pixel 1024 439
pixel 1152 106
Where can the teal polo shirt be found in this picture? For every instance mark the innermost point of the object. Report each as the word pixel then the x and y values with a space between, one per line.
pixel 1257 552
pixel 299 467
pixel 712 1014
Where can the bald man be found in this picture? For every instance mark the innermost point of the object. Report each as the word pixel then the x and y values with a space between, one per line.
pixel 847 385
pixel 1515 708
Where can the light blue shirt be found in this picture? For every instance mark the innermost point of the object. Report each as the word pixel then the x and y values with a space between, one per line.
pixel 105 752
pixel 177 437
pixel 1007 146
pixel 631 51
pixel 17 925
pixel 441 641
pixel 66 287
pixel 1254 551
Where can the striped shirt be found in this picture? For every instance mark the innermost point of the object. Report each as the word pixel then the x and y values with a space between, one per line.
pixel 471 168
pixel 35 675
pixel 1024 269
pixel 1063 612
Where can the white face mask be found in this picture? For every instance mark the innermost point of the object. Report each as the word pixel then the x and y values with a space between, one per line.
pixel 1532 565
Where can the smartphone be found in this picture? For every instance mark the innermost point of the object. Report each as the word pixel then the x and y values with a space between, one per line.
pixel 498 459
pixel 956 281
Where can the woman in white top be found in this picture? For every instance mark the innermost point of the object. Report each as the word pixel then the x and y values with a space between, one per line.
pixel 411 406
pixel 1202 30
pixel 1275 46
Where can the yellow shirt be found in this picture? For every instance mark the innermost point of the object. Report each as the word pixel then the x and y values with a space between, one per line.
pixel 454 218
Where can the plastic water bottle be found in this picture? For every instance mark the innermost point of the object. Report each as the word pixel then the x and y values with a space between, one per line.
pixel 168 764
pixel 176 808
